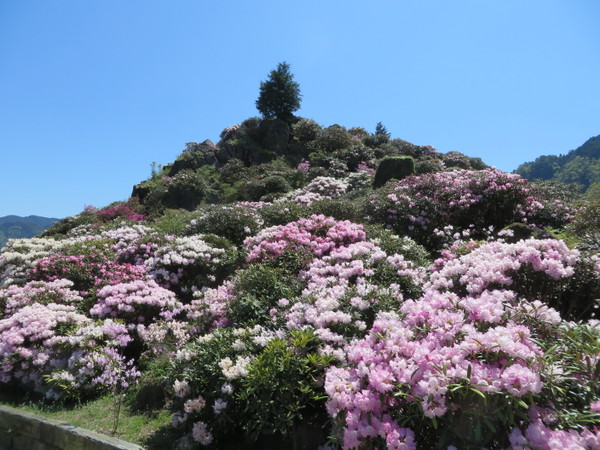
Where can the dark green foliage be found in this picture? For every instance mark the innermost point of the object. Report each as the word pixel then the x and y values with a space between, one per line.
pixel 281 393
pixel 186 190
pixel 260 286
pixel 427 165
pixel 355 154
pixel 393 167
pixel 234 170
pixel 359 132
pixel 282 213
pixel 391 243
pixel 340 209
pixel 276 184
pixel 234 223
pixel 193 157
pixel 543 168
pixel 586 226
pixel 380 130
pixel 333 138
pixel 524 231
pixel 375 140
pixel 63 226
pixel 306 130
pixel 279 95
pixel 582 170
pixel 461 161
pixel 581 165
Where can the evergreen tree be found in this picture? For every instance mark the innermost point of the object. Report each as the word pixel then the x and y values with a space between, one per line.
pixel 380 130
pixel 279 95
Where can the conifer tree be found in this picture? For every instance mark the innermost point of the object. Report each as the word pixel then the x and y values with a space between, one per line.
pixel 381 130
pixel 279 95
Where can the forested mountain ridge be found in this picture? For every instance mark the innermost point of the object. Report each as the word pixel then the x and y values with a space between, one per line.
pixel 22 227
pixel 581 165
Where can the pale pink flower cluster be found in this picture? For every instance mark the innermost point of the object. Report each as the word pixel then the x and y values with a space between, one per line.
pixel 194 404
pixel 539 436
pixel 339 290
pixel 444 339
pixel 134 244
pixel 208 309
pixel 181 388
pixel 55 341
pixel 19 256
pixel 318 189
pixel 140 301
pixel 160 335
pixel 201 434
pixel 59 291
pixel 183 255
pixel 317 235
pixel 496 262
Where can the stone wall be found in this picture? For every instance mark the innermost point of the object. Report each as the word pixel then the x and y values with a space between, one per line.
pixel 21 430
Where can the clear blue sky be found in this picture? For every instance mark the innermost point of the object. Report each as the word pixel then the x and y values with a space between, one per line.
pixel 93 91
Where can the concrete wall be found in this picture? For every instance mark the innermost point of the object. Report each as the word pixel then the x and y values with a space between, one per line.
pixel 21 430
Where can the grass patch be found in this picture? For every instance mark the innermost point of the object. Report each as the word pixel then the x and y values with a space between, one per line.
pixel 150 428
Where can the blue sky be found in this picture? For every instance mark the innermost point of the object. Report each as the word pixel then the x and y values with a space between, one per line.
pixel 92 92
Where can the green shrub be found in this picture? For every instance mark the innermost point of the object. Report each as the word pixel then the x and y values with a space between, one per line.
pixel 232 171
pixel 281 392
pixel 282 213
pixel 391 243
pixel 259 288
pixel 276 184
pixel 358 132
pixel 426 165
pixel 185 190
pixel 354 155
pixel 376 140
pixel 306 130
pixel 393 167
pixel 333 138
pixel 234 223
pixel 339 208
pixel 173 222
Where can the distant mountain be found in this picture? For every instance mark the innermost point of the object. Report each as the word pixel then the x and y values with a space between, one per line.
pixel 22 227
pixel 581 165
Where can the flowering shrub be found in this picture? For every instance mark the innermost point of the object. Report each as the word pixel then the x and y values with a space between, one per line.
pixel 15 297
pixel 345 289
pixel 318 189
pixel 56 342
pixel 188 263
pixel 319 324
pixel 419 204
pixel 315 236
pixel 88 272
pixel 251 379
pixel 532 269
pixel 133 244
pixel 231 222
pixel 19 255
pixel 139 301
pixel 121 210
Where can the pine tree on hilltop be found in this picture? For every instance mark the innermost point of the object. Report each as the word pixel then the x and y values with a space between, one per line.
pixel 280 95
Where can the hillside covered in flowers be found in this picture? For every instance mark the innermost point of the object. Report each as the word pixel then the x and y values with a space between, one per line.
pixel 310 287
